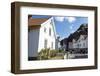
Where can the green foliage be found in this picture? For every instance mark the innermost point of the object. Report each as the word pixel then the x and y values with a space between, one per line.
pixel 61 51
pixel 45 54
pixel 53 53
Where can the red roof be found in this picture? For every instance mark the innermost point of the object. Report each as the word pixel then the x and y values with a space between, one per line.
pixel 36 21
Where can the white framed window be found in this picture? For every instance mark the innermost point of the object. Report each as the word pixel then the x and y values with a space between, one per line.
pixel 49 31
pixel 52 45
pixel 83 44
pixel 45 30
pixel 45 43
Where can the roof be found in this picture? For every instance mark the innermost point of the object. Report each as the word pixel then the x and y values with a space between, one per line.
pixel 64 41
pixel 36 21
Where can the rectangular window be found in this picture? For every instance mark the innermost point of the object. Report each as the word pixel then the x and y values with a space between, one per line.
pixel 52 45
pixel 44 29
pixel 77 45
pixel 83 44
pixel 80 45
pixel 45 43
pixel 49 31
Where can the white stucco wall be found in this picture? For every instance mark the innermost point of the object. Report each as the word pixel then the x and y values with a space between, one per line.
pixel 74 43
pixel 33 40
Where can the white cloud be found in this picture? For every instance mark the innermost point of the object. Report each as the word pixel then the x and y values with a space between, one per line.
pixel 61 19
pixel 70 19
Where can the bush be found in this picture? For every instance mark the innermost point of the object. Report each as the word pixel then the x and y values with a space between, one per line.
pixel 45 54
pixel 53 53
pixel 61 51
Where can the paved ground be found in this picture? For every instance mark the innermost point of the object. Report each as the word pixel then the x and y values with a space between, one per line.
pixel 75 56
pixel 81 56
pixel 69 56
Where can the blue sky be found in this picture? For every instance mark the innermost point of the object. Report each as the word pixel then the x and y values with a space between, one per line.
pixel 65 25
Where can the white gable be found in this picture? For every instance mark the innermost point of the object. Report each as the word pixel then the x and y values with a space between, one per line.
pixel 48 23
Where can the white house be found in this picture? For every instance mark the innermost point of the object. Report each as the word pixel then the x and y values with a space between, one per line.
pixel 70 45
pixel 41 35
pixel 81 42
pixel 57 46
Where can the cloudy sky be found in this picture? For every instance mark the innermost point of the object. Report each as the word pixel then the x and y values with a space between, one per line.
pixel 65 25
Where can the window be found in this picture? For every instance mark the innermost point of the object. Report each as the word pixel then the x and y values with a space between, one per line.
pixel 83 44
pixel 44 29
pixel 49 31
pixel 80 45
pixel 52 45
pixel 77 45
pixel 45 43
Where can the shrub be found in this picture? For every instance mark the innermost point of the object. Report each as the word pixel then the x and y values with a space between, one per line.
pixel 43 54
pixel 47 53
pixel 53 53
pixel 61 51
